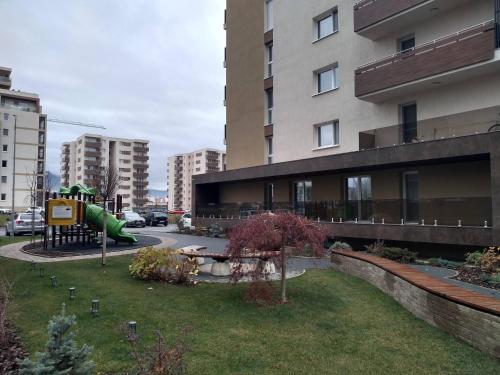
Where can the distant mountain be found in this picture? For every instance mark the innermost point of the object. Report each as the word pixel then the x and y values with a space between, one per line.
pixel 157 193
pixel 54 181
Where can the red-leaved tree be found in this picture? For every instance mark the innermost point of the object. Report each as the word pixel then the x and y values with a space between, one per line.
pixel 271 232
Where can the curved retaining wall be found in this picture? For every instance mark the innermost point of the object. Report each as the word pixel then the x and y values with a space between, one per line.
pixel 478 328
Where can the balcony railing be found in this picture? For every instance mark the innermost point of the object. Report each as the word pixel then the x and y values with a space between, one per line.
pixel 369 12
pixel 452 211
pixel 422 131
pixel 141 158
pixel 463 48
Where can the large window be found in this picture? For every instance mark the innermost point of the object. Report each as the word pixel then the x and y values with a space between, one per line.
pixel 269 95
pixel 327 79
pixel 269 48
pixel 327 24
pixel 269 150
pixel 328 134
pixel 269 15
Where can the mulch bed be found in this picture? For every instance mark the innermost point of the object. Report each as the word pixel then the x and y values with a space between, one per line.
pixel 472 275
pixel 11 349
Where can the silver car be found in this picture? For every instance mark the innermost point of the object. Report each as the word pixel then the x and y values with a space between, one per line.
pixel 23 224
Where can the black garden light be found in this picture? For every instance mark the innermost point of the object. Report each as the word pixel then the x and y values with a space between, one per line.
pixel 41 272
pixel 72 292
pixel 94 309
pixel 132 327
pixel 53 281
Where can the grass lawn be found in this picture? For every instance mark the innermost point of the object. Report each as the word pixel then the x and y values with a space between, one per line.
pixel 7 240
pixel 335 324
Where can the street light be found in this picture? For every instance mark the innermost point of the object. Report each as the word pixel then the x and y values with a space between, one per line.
pixel 13 173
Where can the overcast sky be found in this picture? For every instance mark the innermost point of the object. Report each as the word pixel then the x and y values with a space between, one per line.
pixel 147 69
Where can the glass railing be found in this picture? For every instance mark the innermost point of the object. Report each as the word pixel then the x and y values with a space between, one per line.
pixel 452 211
pixel 422 131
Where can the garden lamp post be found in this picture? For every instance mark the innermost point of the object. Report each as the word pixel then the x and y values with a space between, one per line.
pixel 94 309
pixel 53 281
pixel 72 292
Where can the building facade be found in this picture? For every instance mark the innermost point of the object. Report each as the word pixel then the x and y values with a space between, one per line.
pixel 378 118
pixel 82 161
pixel 23 137
pixel 181 169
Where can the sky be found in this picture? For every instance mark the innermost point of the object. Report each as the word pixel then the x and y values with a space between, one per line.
pixel 149 69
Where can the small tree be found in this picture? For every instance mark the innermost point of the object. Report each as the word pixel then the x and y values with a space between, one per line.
pixel 274 232
pixel 31 198
pixel 62 356
pixel 106 184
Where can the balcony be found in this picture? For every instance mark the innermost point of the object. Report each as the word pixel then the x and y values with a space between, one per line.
pixel 461 125
pixel 140 192
pixel 92 154
pixel 93 144
pixel 141 158
pixel 141 175
pixel 140 166
pixel 5 82
pixel 465 54
pixel 140 183
pixel 374 19
pixel 141 149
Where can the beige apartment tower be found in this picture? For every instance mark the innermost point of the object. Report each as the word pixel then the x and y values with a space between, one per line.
pixel 378 118
pixel 83 159
pixel 182 167
pixel 23 138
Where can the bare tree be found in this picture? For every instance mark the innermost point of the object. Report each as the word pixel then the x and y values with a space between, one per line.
pixel 106 183
pixel 31 198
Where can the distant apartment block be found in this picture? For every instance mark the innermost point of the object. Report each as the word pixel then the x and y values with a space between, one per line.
pixel 83 159
pixel 182 167
pixel 378 118
pixel 23 140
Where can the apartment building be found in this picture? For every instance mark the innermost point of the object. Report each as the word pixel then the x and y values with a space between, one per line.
pixel 181 169
pixel 82 161
pixel 377 118
pixel 23 139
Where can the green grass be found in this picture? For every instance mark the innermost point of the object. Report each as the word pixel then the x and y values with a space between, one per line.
pixel 335 324
pixel 7 240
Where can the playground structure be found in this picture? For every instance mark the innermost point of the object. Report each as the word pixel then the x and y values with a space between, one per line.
pixel 73 217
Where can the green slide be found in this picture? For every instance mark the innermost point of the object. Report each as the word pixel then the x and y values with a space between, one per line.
pixel 94 216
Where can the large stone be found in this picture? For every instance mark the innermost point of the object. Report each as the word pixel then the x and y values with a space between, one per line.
pixel 220 269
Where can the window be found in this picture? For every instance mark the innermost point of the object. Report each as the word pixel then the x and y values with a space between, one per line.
pixel 5 132
pixel 327 24
pixel 406 43
pixel 5 116
pixel 41 137
pixel 328 134
pixel 3 197
pixel 269 60
pixel 328 79
pixel 40 167
pixel 269 95
pixel 41 124
pixel 269 149
pixel 4 148
pixel 4 179
pixel 4 163
pixel 41 152
pixel 269 15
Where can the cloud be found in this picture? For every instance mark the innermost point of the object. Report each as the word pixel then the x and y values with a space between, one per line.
pixel 147 69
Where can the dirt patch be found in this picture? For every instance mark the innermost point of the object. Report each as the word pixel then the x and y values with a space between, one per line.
pixel 11 349
pixel 474 275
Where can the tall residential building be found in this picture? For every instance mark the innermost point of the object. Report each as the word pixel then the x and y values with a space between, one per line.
pixel 182 167
pixel 23 139
pixel 379 116
pixel 83 159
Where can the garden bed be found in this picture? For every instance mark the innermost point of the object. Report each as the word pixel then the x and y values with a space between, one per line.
pixel 11 350
pixel 474 275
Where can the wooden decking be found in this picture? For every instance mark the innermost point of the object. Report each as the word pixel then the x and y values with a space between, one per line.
pixel 430 284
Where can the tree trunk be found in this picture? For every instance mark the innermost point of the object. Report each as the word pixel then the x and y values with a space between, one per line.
pixel 104 234
pixel 283 270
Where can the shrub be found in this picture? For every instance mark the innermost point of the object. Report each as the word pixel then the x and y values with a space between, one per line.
pixel 490 261
pixel 61 356
pixel 439 262
pixel 163 265
pixel 376 248
pixel 160 358
pixel 398 254
pixel 492 279
pixel 474 258
pixel 215 230
pixel 339 245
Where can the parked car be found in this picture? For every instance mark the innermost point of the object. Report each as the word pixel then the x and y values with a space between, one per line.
pixel 133 219
pixel 23 224
pixel 5 211
pixel 154 218
pixel 186 220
